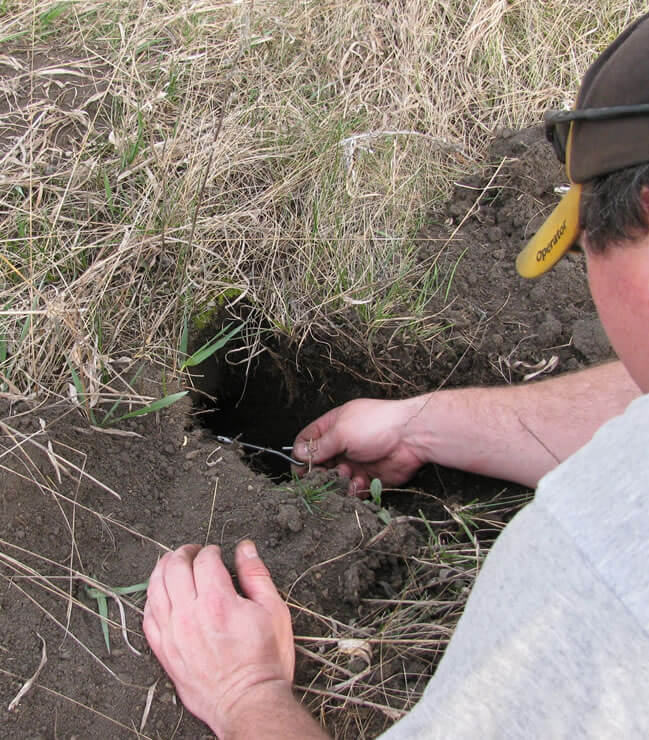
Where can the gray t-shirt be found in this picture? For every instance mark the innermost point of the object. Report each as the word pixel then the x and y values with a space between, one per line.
pixel 554 641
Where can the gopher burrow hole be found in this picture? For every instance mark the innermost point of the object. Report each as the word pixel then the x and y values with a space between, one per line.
pixel 268 399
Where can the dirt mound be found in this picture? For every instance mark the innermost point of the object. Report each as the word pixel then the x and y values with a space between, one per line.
pixel 175 484
pixel 504 318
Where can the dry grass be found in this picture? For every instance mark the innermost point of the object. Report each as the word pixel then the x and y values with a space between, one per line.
pixel 344 124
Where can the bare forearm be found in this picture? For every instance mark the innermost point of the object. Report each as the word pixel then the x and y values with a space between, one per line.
pixel 272 712
pixel 520 432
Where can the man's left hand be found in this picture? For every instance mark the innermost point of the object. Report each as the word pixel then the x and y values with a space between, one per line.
pixel 218 647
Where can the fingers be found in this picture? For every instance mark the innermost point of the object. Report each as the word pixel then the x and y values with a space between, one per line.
pixel 150 626
pixel 254 577
pixel 359 481
pixel 211 575
pixel 318 442
pixel 171 582
pixel 158 605
pixel 178 574
pixel 190 571
pixel 359 486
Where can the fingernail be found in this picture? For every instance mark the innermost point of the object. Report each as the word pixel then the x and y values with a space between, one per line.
pixel 248 549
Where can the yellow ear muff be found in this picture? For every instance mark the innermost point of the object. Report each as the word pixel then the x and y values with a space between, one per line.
pixel 553 239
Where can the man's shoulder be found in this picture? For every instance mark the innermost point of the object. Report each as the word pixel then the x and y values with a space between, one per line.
pixel 600 498
pixel 637 412
pixel 618 447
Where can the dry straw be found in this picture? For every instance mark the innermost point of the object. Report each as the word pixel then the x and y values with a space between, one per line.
pixel 344 124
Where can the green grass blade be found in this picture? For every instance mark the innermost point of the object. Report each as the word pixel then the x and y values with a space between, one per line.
pixel 112 409
pixel 25 330
pixel 109 193
pixel 102 608
pixel 460 519
pixel 81 392
pixel 452 275
pixel 76 380
pixel 135 589
pixel 429 529
pixel 157 405
pixel 209 348
pixel 102 603
pixel 94 593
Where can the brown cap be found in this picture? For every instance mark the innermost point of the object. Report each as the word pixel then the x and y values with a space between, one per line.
pixel 619 76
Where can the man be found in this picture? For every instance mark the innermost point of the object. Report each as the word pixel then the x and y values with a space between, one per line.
pixel 554 641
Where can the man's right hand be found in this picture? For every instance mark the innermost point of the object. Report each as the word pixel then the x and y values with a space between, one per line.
pixel 518 432
pixel 363 439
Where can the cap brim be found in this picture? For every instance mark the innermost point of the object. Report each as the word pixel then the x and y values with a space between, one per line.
pixel 553 239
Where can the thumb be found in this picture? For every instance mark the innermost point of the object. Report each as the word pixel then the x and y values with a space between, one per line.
pixel 254 577
pixel 319 441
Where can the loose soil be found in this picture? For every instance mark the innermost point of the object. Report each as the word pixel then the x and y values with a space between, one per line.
pixel 107 505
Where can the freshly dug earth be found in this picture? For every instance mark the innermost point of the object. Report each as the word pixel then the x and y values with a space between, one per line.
pixel 107 506
pixel 176 485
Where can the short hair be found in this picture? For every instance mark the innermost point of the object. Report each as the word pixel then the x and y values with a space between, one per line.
pixel 612 209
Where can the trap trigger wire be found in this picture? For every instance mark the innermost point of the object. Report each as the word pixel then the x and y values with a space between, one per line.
pixel 269 450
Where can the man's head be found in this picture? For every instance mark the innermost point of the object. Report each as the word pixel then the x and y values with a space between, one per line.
pixel 604 143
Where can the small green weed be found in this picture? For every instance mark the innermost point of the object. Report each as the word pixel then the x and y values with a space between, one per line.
pixel 51 14
pixel 133 148
pixel 376 493
pixel 101 597
pixel 312 494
